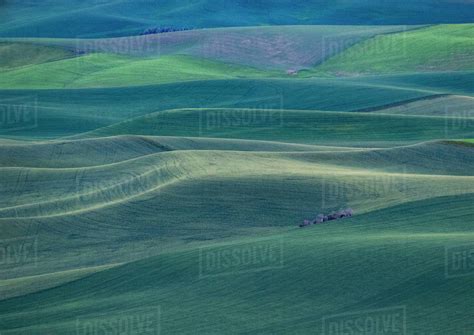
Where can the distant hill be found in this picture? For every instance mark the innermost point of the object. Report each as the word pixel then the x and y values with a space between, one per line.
pixel 98 18
pixel 436 48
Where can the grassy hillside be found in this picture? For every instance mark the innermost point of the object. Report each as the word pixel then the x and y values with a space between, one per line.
pixel 140 178
pixel 213 54
pixel 408 254
pixel 67 112
pixel 292 126
pixel 437 48
pixel 190 184
pixel 14 55
pixel 439 82
pixel 125 17
pixel 137 177
pixel 297 46
pixel 126 234
pixel 101 70
pixel 108 150
pixel 456 106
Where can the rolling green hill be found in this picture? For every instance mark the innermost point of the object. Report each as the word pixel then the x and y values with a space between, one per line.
pixel 14 55
pixel 298 46
pixel 114 183
pixel 456 106
pixel 214 54
pixel 437 48
pixel 293 126
pixel 67 112
pixel 101 70
pixel 102 198
pixel 107 150
pixel 411 202
pixel 410 250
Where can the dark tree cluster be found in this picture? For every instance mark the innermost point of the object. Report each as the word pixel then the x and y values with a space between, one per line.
pixel 321 218
pixel 161 30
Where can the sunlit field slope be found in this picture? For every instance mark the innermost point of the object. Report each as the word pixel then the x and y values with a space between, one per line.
pixel 101 70
pixel 437 48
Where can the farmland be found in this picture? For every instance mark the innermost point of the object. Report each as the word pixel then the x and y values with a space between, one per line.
pixel 163 177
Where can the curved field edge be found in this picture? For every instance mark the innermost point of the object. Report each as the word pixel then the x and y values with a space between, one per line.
pixel 109 185
pixel 13 287
pixel 349 129
pixel 67 112
pixel 98 151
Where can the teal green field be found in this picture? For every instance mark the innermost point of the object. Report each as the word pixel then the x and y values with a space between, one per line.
pixel 157 183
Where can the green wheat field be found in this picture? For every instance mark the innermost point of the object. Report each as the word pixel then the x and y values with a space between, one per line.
pixel 158 158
